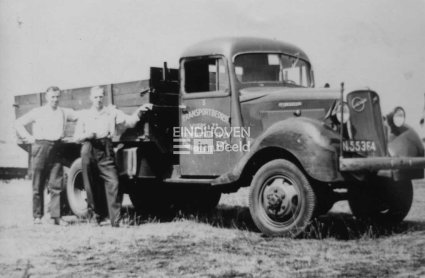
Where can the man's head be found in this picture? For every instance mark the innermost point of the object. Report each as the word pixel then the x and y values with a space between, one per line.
pixel 97 94
pixel 52 96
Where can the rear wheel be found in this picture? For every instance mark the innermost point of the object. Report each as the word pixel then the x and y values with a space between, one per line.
pixel 281 200
pixel 383 201
pixel 75 191
pixel 65 209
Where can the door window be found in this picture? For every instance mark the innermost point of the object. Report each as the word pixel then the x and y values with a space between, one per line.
pixel 205 75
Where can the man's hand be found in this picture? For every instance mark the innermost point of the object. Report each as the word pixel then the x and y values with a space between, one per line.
pixel 29 140
pixel 81 137
pixel 145 107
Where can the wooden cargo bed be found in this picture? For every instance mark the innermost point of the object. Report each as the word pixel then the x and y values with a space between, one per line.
pixel 126 96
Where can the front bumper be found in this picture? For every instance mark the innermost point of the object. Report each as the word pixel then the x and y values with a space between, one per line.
pixel 380 163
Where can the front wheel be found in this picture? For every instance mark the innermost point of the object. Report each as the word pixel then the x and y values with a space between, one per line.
pixel 281 200
pixel 383 201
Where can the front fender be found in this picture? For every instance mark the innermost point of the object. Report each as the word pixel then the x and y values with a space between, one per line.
pixel 406 144
pixel 313 145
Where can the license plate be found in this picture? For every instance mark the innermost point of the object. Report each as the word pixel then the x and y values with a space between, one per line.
pixel 358 146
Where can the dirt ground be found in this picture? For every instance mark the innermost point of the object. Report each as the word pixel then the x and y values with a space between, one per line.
pixel 223 243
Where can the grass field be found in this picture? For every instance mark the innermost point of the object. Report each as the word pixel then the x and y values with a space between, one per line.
pixel 223 243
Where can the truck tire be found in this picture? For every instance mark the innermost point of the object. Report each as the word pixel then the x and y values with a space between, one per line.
pixel 64 204
pixel 281 199
pixel 384 202
pixel 75 191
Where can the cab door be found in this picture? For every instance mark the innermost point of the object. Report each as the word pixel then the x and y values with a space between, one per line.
pixel 204 118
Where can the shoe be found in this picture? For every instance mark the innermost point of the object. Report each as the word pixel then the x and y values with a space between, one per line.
pixel 59 221
pixel 103 222
pixel 121 223
pixel 37 221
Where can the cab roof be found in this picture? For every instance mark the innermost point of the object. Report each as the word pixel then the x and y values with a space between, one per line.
pixel 231 46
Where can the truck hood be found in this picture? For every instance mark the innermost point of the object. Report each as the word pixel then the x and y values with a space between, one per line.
pixel 262 107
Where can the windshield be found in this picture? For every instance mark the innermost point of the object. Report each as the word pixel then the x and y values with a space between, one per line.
pixel 272 68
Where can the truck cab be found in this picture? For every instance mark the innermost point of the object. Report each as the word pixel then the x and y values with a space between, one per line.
pixel 247 88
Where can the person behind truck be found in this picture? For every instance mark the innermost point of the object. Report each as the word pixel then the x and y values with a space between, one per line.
pixel 95 128
pixel 48 130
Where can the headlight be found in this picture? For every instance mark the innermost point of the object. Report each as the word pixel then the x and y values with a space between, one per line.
pixel 345 112
pixel 399 116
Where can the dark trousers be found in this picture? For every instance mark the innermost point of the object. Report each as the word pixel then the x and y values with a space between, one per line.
pixel 47 167
pixel 101 178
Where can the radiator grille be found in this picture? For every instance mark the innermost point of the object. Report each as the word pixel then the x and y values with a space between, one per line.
pixel 366 120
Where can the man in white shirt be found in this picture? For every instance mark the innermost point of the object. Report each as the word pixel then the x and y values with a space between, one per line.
pixel 95 128
pixel 46 151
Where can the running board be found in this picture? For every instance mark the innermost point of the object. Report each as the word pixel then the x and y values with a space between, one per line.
pixel 191 181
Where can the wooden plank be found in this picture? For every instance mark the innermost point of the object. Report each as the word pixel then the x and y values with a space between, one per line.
pixel 42 97
pixel 125 96
pixel 27 99
pixel 109 94
pixel 23 109
pixel 77 99
pixel 128 94
pixel 129 109
pixel 130 100
pixel 130 87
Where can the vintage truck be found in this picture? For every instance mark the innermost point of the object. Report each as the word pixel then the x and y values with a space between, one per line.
pixel 243 112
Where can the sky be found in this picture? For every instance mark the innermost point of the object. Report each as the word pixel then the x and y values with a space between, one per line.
pixel 378 44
